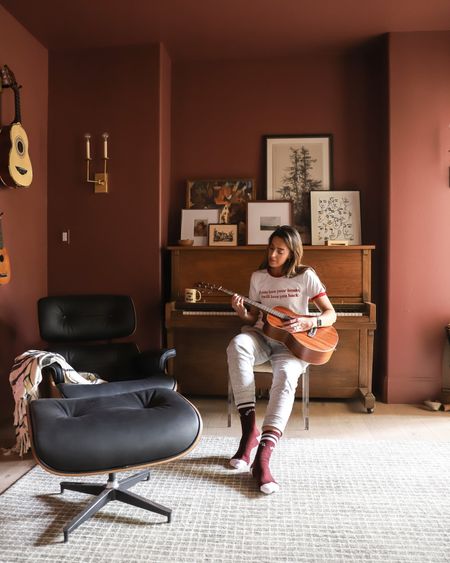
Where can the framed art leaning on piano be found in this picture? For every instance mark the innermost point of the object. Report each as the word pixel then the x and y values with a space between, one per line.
pixel 194 224
pixel 335 215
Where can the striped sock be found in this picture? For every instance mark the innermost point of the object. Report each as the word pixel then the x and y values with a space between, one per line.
pixel 250 436
pixel 260 467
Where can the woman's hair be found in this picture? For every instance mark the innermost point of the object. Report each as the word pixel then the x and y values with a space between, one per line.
pixel 293 265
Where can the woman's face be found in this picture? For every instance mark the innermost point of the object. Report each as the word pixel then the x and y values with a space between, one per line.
pixel 277 254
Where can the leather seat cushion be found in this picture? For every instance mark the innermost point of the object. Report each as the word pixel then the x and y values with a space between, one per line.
pixel 72 391
pixel 103 434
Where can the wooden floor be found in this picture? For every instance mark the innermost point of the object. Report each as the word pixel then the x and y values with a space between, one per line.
pixel 328 419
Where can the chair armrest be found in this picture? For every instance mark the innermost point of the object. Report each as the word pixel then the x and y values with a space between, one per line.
pixel 154 361
pixel 54 373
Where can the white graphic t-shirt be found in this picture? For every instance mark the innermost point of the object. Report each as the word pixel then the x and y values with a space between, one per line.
pixel 292 293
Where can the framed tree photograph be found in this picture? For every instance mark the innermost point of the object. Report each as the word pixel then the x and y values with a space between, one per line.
pixel 335 216
pixel 194 224
pixel 263 217
pixel 221 234
pixel 229 195
pixel 295 166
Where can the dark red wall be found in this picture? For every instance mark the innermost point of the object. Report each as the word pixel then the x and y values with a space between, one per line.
pixel 115 237
pixel 25 210
pixel 170 122
pixel 221 110
pixel 418 280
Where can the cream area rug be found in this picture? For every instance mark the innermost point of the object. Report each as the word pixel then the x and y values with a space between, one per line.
pixel 339 501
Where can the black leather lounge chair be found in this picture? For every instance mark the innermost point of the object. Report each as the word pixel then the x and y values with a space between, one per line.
pixel 135 421
pixel 83 329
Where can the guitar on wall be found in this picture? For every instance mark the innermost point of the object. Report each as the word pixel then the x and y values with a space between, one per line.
pixel 315 346
pixel 5 271
pixel 15 164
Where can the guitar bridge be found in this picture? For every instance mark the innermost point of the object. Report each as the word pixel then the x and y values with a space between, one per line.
pixel 312 332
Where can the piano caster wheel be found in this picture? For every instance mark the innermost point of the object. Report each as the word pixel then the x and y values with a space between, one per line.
pixel 370 411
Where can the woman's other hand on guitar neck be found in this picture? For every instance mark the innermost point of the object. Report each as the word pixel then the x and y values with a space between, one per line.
pixel 249 317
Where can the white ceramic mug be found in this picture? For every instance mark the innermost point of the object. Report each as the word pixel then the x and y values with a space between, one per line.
pixel 192 295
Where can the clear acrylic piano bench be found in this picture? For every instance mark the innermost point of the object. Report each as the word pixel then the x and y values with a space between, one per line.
pixel 264 372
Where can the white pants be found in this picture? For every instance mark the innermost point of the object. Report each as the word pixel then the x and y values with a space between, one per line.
pixel 252 348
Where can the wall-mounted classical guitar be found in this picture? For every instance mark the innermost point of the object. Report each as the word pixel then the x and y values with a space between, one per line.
pixel 15 163
pixel 5 271
pixel 315 346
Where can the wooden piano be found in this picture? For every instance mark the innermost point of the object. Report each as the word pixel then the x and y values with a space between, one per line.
pixel 201 331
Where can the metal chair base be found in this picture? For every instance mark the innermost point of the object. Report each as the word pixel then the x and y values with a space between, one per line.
pixel 112 490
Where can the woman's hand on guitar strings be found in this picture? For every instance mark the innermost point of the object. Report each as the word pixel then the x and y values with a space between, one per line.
pixel 299 324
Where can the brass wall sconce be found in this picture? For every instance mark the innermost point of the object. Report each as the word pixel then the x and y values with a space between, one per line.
pixel 100 180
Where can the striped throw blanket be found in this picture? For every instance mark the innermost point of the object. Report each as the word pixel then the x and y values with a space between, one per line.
pixel 25 377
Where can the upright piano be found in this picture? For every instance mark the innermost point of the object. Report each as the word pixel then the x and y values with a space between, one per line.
pixel 200 331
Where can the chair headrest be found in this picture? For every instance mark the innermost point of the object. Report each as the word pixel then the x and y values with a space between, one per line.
pixel 85 317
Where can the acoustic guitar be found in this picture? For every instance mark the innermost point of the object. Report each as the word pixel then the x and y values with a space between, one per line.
pixel 315 346
pixel 15 164
pixel 5 270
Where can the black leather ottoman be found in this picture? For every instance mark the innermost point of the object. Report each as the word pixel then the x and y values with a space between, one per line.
pixel 111 434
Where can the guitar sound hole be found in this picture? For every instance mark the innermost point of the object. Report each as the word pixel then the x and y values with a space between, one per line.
pixel 20 147
pixel 1 257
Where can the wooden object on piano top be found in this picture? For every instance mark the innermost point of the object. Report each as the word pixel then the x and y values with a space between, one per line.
pixel 201 339
pixel 336 243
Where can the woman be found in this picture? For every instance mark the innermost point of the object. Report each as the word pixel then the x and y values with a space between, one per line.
pixel 282 280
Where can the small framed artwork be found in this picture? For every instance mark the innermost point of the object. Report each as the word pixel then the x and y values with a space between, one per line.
pixel 263 217
pixel 295 166
pixel 335 216
pixel 220 234
pixel 194 224
pixel 229 195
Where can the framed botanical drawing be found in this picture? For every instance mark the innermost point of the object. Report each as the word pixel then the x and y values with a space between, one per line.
pixel 194 224
pixel 263 217
pixel 335 216
pixel 295 166
pixel 229 195
pixel 221 234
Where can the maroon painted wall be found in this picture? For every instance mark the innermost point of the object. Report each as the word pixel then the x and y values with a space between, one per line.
pixel 221 110
pixel 418 280
pixel 165 110
pixel 170 122
pixel 165 161
pixel 25 219
pixel 115 237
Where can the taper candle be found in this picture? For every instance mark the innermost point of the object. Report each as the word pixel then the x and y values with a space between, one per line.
pixel 88 146
pixel 105 145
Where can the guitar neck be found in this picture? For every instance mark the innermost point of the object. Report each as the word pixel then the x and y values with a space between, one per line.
pixel 17 117
pixel 256 304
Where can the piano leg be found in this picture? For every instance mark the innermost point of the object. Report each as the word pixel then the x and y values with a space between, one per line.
pixel 367 398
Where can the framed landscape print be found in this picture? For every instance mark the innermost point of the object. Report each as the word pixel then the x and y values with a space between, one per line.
pixel 295 166
pixel 229 195
pixel 263 217
pixel 194 224
pixel 335 216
